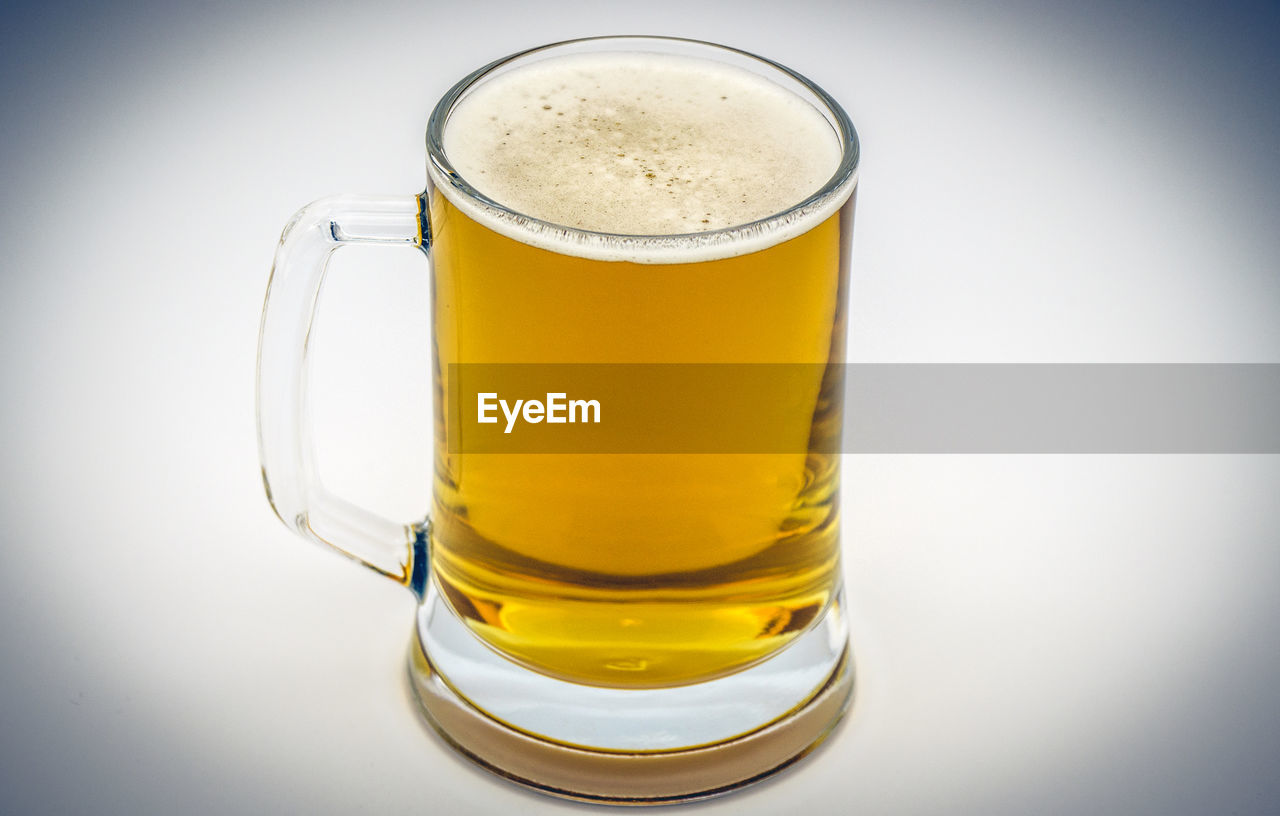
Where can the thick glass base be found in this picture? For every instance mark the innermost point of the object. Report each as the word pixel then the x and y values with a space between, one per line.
pixel 628 746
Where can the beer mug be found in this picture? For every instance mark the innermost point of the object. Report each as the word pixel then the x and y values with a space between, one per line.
pixel 606 621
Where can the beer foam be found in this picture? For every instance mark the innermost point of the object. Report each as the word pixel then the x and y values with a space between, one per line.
pixel 672 151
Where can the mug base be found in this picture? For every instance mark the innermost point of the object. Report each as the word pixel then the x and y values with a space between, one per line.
pixel 628 746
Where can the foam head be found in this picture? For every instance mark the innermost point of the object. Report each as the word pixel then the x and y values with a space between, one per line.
pixel 637 144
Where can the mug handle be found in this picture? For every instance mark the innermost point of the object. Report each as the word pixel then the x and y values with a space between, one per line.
pixel 284 420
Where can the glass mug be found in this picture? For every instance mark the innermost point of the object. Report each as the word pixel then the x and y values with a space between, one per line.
pixel 609 626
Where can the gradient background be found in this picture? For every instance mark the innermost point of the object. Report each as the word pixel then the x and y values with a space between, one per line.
pixel 1042 182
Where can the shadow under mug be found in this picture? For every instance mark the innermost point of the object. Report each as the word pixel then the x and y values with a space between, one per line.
pixel 617 627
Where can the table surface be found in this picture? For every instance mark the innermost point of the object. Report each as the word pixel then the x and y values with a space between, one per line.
pixel 1041 183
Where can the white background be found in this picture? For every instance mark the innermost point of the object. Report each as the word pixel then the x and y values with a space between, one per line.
pixel 1040 183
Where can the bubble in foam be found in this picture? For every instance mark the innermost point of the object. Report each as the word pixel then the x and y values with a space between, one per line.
pixel 637 144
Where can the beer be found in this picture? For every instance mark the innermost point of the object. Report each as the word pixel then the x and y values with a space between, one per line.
pixel 638 570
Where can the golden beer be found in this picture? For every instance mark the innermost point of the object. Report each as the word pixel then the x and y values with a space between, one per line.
pixel 646 569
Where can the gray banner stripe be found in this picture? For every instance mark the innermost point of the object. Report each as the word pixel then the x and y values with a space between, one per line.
pixel 888 408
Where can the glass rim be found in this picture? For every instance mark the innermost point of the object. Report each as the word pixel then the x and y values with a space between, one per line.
pixel 831 195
